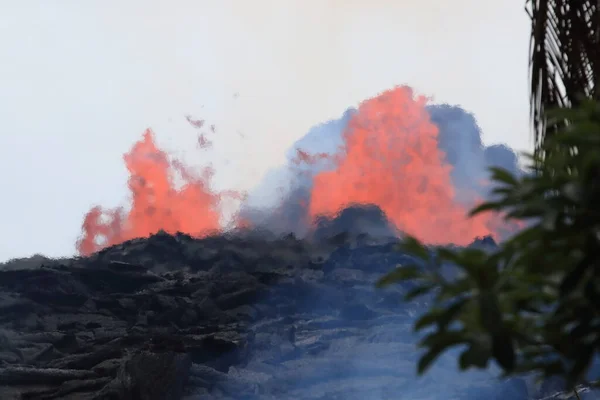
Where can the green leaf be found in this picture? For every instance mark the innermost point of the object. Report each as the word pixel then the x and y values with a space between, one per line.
pixel 427 319
pixel 450 255
pixel 475 355
pixel 504 176
pixel 489 312
pixel 449 314
pixel 459 286
pixel 591 292
pixel 489 206
pixel 444 338
pixel 582 363
pixel 503 350
pixel 412 246
pixel 572 191
pixel 401 274
pixel 473 261
pixel 428 358
pixel 437 343
pixel 574 276
pixel 418 291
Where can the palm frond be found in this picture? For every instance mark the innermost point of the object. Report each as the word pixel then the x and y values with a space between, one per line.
pixel 564 57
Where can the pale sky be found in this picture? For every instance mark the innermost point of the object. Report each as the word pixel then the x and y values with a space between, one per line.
pixel 81 80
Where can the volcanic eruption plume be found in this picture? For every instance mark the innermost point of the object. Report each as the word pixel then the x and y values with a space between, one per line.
pixel 423 165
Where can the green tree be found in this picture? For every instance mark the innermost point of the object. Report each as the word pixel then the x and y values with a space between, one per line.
pixel 532 303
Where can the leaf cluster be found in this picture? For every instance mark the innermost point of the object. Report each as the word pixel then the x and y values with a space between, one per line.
pixel 533 303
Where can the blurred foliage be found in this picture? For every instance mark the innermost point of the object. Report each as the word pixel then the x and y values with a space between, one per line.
pixel 533 303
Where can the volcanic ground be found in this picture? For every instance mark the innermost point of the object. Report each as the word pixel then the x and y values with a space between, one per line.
pixel 239 316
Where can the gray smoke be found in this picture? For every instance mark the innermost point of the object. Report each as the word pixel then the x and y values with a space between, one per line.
pixel 460 139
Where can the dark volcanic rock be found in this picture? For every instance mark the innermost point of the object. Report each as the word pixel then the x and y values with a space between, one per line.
pixel 149 376
pixel 242 317
pixel 355 220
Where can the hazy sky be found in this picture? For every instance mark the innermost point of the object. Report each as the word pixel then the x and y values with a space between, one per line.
pixel 81 80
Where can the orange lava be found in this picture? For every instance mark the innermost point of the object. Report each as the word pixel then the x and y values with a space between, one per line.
pixel 157 203
pixel 391 158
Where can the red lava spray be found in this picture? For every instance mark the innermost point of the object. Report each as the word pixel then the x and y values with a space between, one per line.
pixel 157 202
pixel 391 159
